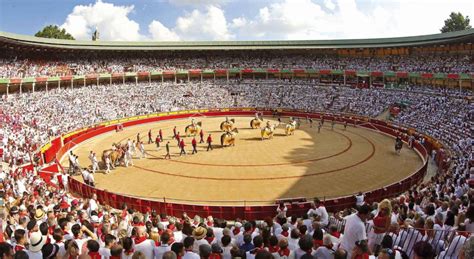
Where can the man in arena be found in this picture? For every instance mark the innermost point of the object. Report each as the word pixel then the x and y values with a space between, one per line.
pixel 85 176
pixel 150 140
pixel 138 137
pixel 177 137
pixel 182 145
pixel 157 142
pixel 160 132
pixel 91 179
pixel 209 142
pixel 320 124
pixel 141 147
pixel 168 150
pixel 95 163
pixel 201 136
pixel 128 157
pixel 194 144
pixel 174 132
pixel 108 164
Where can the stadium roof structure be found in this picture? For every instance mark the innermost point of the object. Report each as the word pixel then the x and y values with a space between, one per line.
pixel 10 39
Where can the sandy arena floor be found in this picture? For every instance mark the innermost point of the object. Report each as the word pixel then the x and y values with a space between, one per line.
pixel 308 164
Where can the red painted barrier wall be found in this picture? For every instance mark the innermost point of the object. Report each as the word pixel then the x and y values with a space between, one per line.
pixel 232 212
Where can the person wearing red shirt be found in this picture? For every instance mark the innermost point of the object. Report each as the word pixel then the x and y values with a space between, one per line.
pixel 178 138
pixel 201 135
pixel 209 142
pixel 182 145
pixel 194 144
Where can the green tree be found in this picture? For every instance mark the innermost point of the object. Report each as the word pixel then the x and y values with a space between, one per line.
pixel 54 32
pixel 456 22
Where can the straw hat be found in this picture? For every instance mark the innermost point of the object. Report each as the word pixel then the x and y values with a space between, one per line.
pixel 39 214
pixel 199 233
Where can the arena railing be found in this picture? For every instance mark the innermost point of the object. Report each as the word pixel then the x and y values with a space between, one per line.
pixel 60 146
pixel 446 242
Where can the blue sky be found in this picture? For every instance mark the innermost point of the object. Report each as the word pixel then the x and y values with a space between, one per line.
pixel 231 19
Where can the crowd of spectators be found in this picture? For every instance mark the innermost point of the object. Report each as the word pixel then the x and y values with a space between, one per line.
pixel 41 221
pixel 24 67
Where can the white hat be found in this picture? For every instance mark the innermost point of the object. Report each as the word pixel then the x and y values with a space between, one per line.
pixel 36 241
pixel 238 224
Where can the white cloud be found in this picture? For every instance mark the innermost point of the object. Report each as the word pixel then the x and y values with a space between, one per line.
pixel 308 19
pixel 198 2
pixel 160 32
pixel 329 4
pixel 111 21
pixel 209 24
pixel 279 19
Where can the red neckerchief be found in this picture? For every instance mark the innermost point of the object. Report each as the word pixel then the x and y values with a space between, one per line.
pixel 215 256
pixel 336 234
pixel 124 213
pixel 273 249
pixel 139 240
pixel 236 231
pixel 129 252
pixel 464 234
pixel 19 248
pixel 94 255
pixel 284 252
pixel 284 233
pixel 318 242
pixel 114 257
pixel 157 243
pixel 210 224
pixel 209 239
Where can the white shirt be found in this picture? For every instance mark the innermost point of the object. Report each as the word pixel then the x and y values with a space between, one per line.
pixel 85 175
pixel 191 255
pixel 324 253
pixel 353 231
pixel 104 252
pixel 90 178
pixel 34 255
pixel 146 247
pixel 160 250
pixel 323 215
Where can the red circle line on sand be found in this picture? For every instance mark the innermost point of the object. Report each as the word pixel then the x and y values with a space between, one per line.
pixel 269 178
pixel 265 165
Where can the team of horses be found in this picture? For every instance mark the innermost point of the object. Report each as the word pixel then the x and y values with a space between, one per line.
pixel 228 138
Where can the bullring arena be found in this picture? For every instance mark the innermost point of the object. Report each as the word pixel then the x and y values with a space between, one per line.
pixel 394 157
pixel 332 163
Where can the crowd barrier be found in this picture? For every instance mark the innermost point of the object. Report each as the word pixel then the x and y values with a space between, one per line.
pixel 60 146
pixel 445 242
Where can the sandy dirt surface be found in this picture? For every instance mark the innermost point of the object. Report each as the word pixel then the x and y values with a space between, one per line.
pixel 307 164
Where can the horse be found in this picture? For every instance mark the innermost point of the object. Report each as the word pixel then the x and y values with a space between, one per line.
pixel 290 128
pixel 255 123
pixel 267 132
pixel 398 145
pixel 227 125
pixel 228 138
pixel 193 129
pixel 115 155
